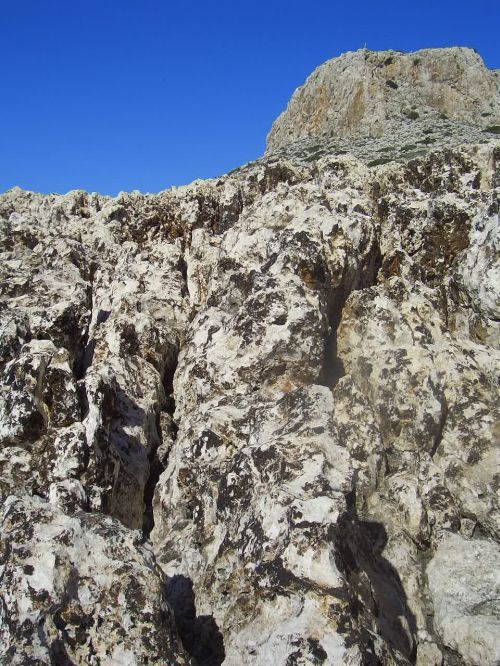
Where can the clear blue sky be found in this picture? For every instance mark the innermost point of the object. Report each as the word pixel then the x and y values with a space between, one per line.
pixel 109 95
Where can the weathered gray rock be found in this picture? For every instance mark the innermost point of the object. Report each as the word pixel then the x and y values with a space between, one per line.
pixel 464 581
pixel 80 589
pixel 270 399
pixel 369 93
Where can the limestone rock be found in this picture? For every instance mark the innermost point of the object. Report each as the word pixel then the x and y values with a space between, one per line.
pixel 465 584
pixel 80 589
pixel 367 93
pixel 255 419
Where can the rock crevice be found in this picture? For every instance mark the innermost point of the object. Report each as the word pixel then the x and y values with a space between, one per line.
pixel 254 420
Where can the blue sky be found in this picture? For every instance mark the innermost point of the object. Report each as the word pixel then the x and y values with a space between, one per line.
pixel 109 95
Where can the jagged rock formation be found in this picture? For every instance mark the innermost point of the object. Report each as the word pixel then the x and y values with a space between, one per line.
pixel 269 399
pixel 387 105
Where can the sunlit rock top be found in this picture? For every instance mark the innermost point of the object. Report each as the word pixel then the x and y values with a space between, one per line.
pixel 369 94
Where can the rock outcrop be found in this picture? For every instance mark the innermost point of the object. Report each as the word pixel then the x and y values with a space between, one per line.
pixel 255 420
pixel 389 106
pixel 371 94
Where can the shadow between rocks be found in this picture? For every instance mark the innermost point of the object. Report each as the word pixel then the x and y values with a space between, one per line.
pixel 200 634
pixel 377 597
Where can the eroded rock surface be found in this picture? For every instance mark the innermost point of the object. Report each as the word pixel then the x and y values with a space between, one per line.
pixel 385 106
pixel 80 589
pixel 465 584
pixel 255 420
pixel 370 93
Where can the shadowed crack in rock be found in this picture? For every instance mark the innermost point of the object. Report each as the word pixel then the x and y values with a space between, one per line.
pixel 200 634
pixel 377 593
pixel 166 429
pixel 333 367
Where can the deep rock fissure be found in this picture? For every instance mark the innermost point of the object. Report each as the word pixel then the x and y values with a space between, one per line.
pixel 333 367
pixel 158 455
pixel 442 422
pixel 84 356
pixel 200 635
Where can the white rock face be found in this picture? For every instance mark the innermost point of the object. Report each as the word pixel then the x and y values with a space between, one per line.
pixel 80 589
pixel 464 581
pixel 268 399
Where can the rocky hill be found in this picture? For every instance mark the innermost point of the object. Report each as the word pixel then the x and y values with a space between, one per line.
pixel 390 106
pixel 255 420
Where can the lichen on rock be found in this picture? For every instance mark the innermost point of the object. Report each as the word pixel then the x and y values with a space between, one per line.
pixel 255 419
